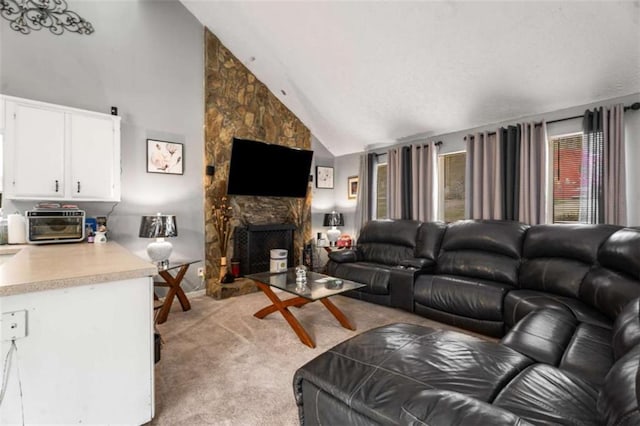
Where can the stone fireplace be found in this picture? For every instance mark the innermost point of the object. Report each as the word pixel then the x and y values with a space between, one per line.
pixel 238 104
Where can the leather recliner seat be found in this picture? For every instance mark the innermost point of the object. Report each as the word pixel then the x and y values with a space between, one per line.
pixel 476 267
pixel 556 261
pixel 384 249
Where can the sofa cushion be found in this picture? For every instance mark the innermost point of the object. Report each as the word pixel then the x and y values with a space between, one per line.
pixel 626 329
pixel 518 303
pixel 444 408
pixel 387 242
pixel 429 240
pixel 616 279
pixel 494 236
pixel 469 297
pixel 619 396
pixel 578 242
pixel 589 354
pixel 485 249
pixel 621 252
pixel 557 257
pixel 543 394
pixel 542 335
pixel 556 337
pixel 374 276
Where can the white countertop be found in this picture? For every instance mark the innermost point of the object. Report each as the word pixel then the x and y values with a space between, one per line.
pixel 54 266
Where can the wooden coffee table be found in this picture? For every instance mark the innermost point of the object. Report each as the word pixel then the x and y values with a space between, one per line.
pixel 318 287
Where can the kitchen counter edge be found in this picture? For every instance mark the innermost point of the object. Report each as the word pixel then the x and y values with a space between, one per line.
pixel 55 266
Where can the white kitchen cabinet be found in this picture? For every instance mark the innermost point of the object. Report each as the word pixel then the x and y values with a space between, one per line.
pixel 93 156
pixel 54 152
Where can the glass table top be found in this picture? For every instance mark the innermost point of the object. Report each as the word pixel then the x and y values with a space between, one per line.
pixel 178 263
pixel 318 286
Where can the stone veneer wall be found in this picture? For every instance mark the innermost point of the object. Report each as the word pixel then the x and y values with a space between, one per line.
pixel 238 104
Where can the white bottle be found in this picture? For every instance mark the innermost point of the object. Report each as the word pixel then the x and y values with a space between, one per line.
pixel 17 229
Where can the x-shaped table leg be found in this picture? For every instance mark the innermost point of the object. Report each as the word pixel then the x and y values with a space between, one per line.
pixel 174 290
pixel 282 307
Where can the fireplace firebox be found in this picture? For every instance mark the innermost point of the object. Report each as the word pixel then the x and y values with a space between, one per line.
pixel 252 245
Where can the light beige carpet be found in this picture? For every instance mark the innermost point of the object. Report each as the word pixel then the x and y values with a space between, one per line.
pixel 222 366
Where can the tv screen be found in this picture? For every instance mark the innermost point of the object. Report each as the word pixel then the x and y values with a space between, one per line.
pixel 264 169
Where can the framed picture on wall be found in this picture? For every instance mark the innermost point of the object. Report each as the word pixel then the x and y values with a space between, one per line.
pixel 324 177
pixel 352 187
pixel 165 157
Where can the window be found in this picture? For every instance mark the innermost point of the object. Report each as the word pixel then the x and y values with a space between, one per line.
pixel 567 154
pixel 451 190
pixel 380 191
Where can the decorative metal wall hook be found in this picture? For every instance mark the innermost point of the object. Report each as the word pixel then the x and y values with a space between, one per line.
pixel 27 15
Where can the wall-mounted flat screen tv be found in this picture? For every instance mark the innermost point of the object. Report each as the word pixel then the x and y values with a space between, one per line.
pixel 264 169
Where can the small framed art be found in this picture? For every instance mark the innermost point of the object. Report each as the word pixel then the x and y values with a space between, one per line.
pixel 352 187
pixel 165 157
pixel 324 177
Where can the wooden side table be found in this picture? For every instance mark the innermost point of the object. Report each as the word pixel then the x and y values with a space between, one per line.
pixel 173 282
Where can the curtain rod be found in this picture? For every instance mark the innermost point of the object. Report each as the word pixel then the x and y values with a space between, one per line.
pixel 634 106
pixel 419 146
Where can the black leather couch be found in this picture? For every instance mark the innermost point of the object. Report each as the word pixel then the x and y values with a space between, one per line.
pixel 486 275
pixel 566 296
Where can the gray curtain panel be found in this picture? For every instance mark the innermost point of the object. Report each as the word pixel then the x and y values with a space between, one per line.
pixel 484 197
pixel 615 173
pixel 533 165
pixel 423 165
pixel 364 200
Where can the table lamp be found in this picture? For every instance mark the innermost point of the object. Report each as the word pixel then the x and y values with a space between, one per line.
pixel 159 227
pixel 333 220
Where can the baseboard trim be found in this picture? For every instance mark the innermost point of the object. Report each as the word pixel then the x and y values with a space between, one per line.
pixel 197 293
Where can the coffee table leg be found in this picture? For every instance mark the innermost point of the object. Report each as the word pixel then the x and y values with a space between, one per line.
pixel 281 306
pixel 296 302
pixel 337 313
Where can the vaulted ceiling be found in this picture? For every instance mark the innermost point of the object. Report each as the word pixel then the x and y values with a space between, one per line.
pixel 368 73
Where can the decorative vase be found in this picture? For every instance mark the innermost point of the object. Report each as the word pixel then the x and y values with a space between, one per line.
pixel 223 267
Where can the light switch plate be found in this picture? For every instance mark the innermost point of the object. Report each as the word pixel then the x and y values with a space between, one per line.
pixel 14 325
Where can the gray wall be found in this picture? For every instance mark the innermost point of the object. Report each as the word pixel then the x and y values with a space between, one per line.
pixel 452 142
pixel 146 58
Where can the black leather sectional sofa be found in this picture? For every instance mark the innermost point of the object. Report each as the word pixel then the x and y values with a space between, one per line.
pixel 564 299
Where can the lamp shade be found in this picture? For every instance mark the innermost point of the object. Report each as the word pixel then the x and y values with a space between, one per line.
pixel 158 226
pixel 333 219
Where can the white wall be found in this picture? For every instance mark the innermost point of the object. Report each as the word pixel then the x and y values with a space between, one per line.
pixel 452 142
pixel 146 58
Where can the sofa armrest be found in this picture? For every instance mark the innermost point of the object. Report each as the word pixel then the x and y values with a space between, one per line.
pixel 440 407
pixel 425 265
pixel 343 256
pixel 543 334
pixel 401 283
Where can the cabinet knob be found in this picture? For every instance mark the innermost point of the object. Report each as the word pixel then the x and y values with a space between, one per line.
pixel 57 185
pixel 78 187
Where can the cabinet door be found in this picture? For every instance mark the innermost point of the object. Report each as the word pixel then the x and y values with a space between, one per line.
pixel 94 157
pixel 37 152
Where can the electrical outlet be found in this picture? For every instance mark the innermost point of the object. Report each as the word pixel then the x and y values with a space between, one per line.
pixel 201 272
pixel 14 325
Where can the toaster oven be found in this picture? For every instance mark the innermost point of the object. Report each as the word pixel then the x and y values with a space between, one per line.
pixel 46 226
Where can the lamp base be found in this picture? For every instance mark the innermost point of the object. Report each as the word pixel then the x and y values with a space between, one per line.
pixel 159 252
pixel 332 235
